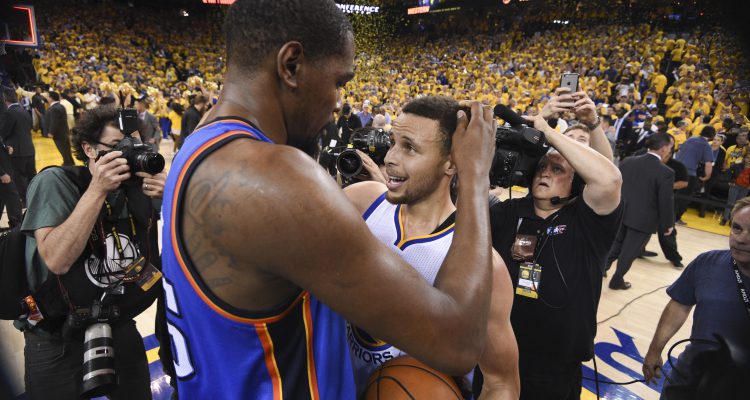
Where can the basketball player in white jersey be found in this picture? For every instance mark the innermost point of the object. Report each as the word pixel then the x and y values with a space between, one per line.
pixel 413 215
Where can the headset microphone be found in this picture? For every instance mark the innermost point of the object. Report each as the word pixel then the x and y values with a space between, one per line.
pixel 557 200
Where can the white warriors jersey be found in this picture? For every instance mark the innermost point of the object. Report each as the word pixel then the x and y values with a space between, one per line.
pixel 424 253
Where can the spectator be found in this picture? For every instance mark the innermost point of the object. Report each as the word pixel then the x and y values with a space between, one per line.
pixel 69 111
pixel 192 117
pixel 149 126
pixel 56 120
pixel 738 186
pixel 736 152
pixel 175 116
pixel 348 122
pixel 15 130
pixel 679 133
pixel 694 151
pixel 9 197
pixel 647 194
pixel 364 116
pixel 38 109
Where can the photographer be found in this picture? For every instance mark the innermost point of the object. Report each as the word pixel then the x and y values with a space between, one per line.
pixel 80 244
pixel 555 243
pixel 347 122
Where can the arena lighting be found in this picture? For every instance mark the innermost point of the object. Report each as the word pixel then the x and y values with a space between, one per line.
pixel 347 8
pixel 418 10
pixel 358 9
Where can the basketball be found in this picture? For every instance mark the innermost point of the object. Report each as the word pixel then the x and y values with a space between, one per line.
pixel 406 378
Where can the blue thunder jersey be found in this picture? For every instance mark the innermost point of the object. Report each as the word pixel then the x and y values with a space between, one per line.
pixel 220 352
pixel 424 253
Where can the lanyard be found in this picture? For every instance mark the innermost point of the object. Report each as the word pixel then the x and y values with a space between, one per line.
pixel 98 241
pixel 740 285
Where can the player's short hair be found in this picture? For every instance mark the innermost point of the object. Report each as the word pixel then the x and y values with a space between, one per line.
pixel 256 28
pixel 441 109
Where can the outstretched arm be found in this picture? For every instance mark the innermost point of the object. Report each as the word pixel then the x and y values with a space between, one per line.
pixel 672 318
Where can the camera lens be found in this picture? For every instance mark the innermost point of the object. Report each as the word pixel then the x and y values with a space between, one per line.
pixel 152 163
pixel 98 361
pixel 348 163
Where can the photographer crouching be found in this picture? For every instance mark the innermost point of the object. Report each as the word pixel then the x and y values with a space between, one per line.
pixel 93 263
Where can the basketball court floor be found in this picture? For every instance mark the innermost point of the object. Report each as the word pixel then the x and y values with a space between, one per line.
pixel 627 319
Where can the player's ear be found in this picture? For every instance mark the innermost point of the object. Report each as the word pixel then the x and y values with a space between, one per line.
pixel 288 62
pixel 449 167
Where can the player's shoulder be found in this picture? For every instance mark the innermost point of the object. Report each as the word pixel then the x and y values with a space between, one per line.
pixel 280 164
pixel 364 194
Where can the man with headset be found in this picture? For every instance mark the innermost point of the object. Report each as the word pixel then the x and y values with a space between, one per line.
pixel 554 243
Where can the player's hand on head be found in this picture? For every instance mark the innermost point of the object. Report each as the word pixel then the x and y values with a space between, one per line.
pixel 473 144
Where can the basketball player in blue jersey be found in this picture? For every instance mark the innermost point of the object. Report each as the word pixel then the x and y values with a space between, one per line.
pixel 263 254
pixel 412 213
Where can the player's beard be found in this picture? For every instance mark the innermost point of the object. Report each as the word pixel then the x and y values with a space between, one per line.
pixel 415 189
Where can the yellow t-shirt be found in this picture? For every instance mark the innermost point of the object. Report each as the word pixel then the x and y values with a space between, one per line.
pixel 660 82
pixel 176 121
pixel 734 155
pixel 679 137
pixel 698 128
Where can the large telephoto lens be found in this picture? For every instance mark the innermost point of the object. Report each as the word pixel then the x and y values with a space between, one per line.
pixel 98 361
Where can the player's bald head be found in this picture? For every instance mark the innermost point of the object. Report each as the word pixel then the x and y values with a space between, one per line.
pixel 256 29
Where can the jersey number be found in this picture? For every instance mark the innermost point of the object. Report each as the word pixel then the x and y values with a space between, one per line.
pixel 183 365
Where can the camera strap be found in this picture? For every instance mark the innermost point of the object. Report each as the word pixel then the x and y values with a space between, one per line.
pixel 98 239
pixel 741 286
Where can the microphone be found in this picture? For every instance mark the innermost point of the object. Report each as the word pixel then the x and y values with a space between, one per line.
pixel 509 116
pixel 557 200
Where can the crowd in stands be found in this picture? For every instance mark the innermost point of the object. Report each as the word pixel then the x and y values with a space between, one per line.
pixel 683 81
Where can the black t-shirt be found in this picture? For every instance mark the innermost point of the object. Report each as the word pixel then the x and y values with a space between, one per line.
pixel 572 247
pixel 347 125
pixel 680 172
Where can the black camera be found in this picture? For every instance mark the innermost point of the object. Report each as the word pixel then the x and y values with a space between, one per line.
pixel 518 149
pixel 99 376
pixel 82 317
pixel 517 153
pixel 374 142
pixel 140 157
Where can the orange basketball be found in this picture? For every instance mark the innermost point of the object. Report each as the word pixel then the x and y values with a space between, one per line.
pixel 406 378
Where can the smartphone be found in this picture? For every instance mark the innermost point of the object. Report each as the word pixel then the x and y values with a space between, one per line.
pixel 569 81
